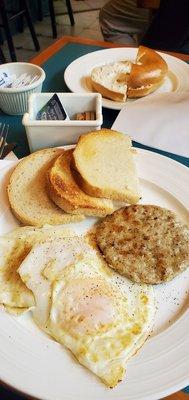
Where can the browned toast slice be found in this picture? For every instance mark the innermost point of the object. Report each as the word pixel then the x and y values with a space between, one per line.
pixel 65 192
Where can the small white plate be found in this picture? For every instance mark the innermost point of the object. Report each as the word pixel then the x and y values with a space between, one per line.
pixel 77 74
pixel 37 366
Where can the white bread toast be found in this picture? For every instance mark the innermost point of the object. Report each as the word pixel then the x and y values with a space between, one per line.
pixel 104 80
pixel 105 165
pixel 27 191
pixel 65 192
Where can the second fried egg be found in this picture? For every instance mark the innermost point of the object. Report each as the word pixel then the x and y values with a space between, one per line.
pixel 100 316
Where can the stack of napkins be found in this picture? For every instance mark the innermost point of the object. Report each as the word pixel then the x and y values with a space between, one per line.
pixel 158 120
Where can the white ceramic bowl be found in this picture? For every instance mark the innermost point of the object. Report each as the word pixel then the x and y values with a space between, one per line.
pixel 14 101
pixel 42 134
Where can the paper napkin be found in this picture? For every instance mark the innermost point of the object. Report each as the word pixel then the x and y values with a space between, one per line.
pixel 158 120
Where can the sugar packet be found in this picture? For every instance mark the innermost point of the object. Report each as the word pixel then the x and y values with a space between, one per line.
pixel 12 81
pixel 6 79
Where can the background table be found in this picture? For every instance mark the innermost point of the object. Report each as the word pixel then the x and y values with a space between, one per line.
pixel 54 61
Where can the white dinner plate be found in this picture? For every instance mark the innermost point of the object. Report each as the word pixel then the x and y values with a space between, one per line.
pixel 36 365
pixel 77 74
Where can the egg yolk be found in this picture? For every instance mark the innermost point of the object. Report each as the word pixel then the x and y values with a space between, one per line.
pixel 86 306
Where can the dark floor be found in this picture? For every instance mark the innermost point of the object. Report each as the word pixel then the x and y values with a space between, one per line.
pixel 86 25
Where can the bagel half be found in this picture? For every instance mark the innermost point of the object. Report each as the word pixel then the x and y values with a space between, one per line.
pixel 147 74
pixel 122 79
pixel 104 80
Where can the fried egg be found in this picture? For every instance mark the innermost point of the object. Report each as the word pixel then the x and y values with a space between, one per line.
pixel 14 247
pixel 42 265
pixel 101 317
pixel 13 292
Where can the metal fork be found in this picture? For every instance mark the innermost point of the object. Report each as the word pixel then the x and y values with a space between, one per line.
pixel 3 137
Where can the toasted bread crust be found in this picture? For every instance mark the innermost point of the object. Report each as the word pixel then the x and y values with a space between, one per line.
pixel 66 193
pixel 107 93
pixel 27 191
pixel 146 243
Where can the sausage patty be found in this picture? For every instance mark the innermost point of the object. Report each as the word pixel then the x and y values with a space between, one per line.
pixel 146 243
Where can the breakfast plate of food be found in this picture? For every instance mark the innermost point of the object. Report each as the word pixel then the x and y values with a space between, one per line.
pixel 94 272
pixel 125 74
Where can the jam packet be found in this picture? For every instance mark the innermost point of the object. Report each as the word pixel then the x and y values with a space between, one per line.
pixel 52 110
